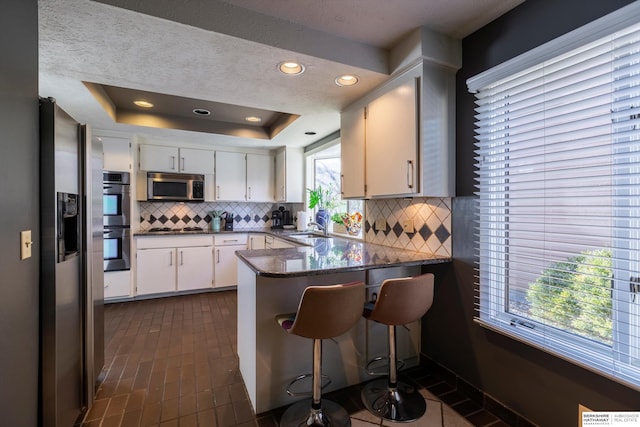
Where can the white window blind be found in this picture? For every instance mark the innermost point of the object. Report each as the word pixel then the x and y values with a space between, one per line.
pixel 558 155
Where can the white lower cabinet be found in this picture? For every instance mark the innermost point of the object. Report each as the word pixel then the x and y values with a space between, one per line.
pixel 256 241
pixel 225 259
pixel 117 284
pixel 156 271
pixel 281 243
pixel 173 263
pixel 195 268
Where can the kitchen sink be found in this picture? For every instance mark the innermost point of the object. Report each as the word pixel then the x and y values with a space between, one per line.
pixel 307 235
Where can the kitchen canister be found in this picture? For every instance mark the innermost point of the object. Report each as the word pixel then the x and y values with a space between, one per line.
pixel 302 220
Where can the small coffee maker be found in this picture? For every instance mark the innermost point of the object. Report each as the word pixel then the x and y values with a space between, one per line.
pixel 276 219
pixel 286 218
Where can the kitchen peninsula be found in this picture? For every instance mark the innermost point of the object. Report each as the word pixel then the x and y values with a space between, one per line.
pixel 272 281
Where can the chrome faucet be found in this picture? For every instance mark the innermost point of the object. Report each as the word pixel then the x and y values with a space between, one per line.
pixel 324 228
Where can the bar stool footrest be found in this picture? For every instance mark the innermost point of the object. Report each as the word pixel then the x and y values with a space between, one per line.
pixel 301 414
pixel 370 371
pixel 305 393
pixel 401 404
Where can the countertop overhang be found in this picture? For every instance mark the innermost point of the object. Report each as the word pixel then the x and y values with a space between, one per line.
pixel 332 255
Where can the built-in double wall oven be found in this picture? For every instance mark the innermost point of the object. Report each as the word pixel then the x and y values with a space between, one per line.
pixel 116 202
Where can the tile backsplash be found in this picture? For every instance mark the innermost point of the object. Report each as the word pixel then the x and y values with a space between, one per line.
pixel 431 219
pixel 179 215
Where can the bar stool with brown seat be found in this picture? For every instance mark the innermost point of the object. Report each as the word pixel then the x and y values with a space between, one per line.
pixel 324 312
pixel 400 301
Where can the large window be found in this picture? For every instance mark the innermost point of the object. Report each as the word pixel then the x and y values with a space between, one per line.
pixel 325 165
pixel 558 157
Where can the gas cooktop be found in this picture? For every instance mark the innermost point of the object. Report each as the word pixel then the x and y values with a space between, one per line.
pixel 175 230
pixel 157 229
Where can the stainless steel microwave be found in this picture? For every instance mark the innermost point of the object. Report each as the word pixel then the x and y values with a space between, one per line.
pixel 175 187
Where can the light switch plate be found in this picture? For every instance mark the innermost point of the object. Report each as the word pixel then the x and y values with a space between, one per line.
pixel 381 224
pixel 407 226
pixel 25 244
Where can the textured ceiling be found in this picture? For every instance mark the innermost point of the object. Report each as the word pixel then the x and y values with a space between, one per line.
pixel 227 52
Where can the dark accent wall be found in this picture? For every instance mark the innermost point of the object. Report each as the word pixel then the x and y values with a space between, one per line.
pixel 541 387
pixel 19 200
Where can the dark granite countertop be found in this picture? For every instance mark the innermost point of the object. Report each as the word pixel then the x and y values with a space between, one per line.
pixel 181 232
pixel 331 255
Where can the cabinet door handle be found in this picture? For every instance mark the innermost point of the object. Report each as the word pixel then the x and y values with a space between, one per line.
pixel 410 173
pixel 182 160
pixel 181 258
pixel 342 184
pixel 217 191
pixel 218 256
pixel 249 193
pixel 251 243
pixel 230 240
pixel 170 259
pixel 173 162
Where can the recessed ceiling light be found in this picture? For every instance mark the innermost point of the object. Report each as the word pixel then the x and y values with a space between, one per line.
pixel 143 104
pixel 346 80
pixel 310 133
pixel 291 68
pixel 201 112
pixel 253 119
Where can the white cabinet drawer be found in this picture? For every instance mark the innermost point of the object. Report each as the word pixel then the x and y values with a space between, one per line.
pixel 152 242
pixel 230 239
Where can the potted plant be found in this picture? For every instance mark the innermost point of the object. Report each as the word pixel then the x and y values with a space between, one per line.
pixel 338 223
pixel 324 199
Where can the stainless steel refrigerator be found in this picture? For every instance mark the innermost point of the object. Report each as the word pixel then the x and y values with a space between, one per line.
pixel 71 267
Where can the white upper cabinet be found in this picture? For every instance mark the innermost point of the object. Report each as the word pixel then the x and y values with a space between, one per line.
pixel 399 140
pixel 116 153
pixel 392 141
pixel 290 175
pixel 196 161
pixel 230 176
pixel 260 177
pixel 244 177
pixel 160 158
pixel 352 140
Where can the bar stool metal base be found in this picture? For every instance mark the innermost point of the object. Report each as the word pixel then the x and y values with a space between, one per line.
pixel 401 404
pixel 302 414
